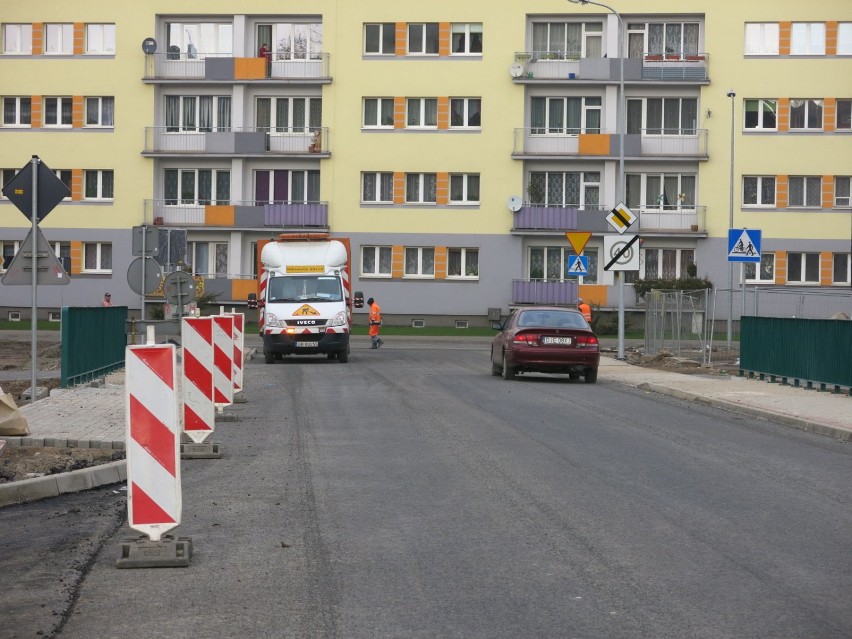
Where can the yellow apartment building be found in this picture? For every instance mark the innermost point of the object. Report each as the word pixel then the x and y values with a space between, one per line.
pixel 454 143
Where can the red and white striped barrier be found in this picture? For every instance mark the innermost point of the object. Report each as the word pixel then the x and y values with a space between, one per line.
pixel 239 345
pixel 261 299
pixel 153 440
pixel 199 413
pixel 223 360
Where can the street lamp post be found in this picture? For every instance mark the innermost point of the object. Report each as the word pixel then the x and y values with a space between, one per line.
pixel 621 127
pixel 731 94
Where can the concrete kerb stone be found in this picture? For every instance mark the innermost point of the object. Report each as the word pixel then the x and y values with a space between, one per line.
pixel 54 485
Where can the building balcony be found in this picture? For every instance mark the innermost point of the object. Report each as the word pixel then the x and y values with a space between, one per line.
pixel 545 292
pixel 538 219
pixel 200 67
pixel 666 144
pixel 245 215
pixel 296 142
pixel 549 66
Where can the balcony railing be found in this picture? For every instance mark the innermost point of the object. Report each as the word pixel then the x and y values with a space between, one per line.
pixel 532 218
pixel 223 67
pixel 244 214
pixel 544 292
pixel 567 66
pixel 553 142
pixel 237 141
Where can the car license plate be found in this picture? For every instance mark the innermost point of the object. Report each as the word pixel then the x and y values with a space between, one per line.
pixel 556 341
pixel 305 344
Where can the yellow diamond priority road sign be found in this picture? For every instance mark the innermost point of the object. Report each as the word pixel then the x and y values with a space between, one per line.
pixel 620 218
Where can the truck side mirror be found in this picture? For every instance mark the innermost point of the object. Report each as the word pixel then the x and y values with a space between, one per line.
pixel 252 300
pixel 358 300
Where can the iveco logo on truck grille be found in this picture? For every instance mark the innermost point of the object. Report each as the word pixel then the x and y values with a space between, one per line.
pixel 306 322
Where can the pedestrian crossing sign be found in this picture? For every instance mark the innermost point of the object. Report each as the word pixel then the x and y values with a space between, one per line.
pixel 744 245
pixel 577 265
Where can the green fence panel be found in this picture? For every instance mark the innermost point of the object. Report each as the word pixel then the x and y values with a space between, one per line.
pixel 93 342
pixel 810 350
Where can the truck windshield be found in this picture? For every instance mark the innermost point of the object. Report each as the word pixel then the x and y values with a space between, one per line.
pixel 304 288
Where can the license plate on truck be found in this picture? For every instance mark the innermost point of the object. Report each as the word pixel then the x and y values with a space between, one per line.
pixel 306 344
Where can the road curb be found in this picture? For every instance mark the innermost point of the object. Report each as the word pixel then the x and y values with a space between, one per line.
pixel 18 492
pixel 802 424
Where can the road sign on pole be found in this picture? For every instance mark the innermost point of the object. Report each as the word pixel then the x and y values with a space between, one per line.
pixel 744 245
pixel 43 259
pixel 621 218
pixel 621 252
pixel 49 192
pixel 577 265
pixel 578 240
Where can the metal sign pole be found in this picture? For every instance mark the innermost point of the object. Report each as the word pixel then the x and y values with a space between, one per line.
pixel 34 262
pixel 144 256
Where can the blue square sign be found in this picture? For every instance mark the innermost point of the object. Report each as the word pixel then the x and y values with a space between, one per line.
pixel 744 245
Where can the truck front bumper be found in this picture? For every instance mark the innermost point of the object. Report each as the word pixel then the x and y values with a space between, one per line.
pixel 305 344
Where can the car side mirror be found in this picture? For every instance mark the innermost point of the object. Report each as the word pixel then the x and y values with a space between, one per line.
pixel 497 326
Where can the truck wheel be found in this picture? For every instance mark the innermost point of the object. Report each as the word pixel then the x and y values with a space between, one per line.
pixel 343 356
pixel 268 356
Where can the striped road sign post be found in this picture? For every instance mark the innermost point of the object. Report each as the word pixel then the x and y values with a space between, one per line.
pixel 239 345
pixel 199 413
pixel 153 466
pixel 223 360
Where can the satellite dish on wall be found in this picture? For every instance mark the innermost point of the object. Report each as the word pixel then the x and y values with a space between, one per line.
pixel 514 203
pixel 149 45
pixel 516 70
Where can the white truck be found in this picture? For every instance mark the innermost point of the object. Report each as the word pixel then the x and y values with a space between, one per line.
pixel 304 297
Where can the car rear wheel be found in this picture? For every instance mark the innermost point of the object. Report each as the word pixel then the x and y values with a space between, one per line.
pixel 268 356
pixel 495 368
pixel 343 356
pixel 508 371
pixel 591 375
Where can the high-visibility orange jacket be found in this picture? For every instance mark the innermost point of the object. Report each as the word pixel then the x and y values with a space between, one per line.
pixel 586 310
pixel 375 318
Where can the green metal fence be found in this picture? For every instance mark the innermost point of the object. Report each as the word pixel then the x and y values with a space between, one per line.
pixel 809 351
pixel 93 342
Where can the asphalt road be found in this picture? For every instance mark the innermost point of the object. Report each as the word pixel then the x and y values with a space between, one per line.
pixel 409 493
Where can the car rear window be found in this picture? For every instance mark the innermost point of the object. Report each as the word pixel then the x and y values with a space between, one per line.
pixel 551 319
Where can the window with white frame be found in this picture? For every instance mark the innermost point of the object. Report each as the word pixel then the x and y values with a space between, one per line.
pixel 194 113
pixel 804 191
pixel 672 38
pixel 98 184
pixel 17 111
pixel 380 39
pixel 423 38
pixel 844 115
pixel 666 263
pixel 59 39
pixel 376 261
pixel 805 113
pixel 842 187
pixel 762 273
pixel 466 39
pixel 6 176
pixel 803 268
pixel 552 262
pixel 295 186
pixel 196 186
pixel 377 188
pixel 841 271
pixel 567 40
pixel 289 114
pixel 57 111
pixel 62 250
pixel 662 116
pixel 844 38
pixel 207 258
pixel 378 113
pixel 465 113
pixel 292 40
pixel 761 38
pixel 100 38
pixel 198 40
pixel 97 257
pixel 419 261
pixel 65 177
pixel 573 189
pixel 761 114
pixel 100 111
pixel 421 113
pixel 463 263
pixel 464 188
pixel 18 39
pixel 565 116
pixel 420 188
pixel 8 250
pixel 807 38
pixel 759 190
pixel 661 191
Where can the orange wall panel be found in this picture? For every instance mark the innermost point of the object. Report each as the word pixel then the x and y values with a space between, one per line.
pixel 826 268
pixel 444 38
pixel 831 38
pixel 219 215
pixel 249 68
pixel 77 111
pixel 594 144
pixel 782 187
pixel 76 185
pixel 594 294
pixel 240 289
pixel 79 38
pixel 35 112
pixel 827 191
pixel 780 267
pixel 442 188
pixel 829 114
pixel 38 38
pixel 440 262
pixel 401 38
pixel 783 114
pixel 443 113
pixel 399 112
pixel 397 261
pixel 76 258
pixel 784 35
pixel 398 188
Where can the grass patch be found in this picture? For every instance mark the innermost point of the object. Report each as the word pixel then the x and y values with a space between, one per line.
pixel 24 325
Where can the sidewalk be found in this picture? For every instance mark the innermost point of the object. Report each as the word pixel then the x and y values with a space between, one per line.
pixel 89 417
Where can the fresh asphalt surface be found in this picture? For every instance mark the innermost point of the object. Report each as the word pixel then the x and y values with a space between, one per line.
pixel 409 493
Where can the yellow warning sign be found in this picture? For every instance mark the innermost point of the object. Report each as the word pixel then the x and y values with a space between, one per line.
pixel 306 309
pixel 578 240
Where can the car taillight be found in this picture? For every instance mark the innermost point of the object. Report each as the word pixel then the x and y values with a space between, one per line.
pixel 586 341
pixel 530 339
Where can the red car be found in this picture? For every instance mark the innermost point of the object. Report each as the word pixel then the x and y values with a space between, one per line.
pixel 545 339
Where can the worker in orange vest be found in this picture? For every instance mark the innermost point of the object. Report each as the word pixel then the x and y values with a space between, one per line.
pixel 585 309
pixel 375 322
